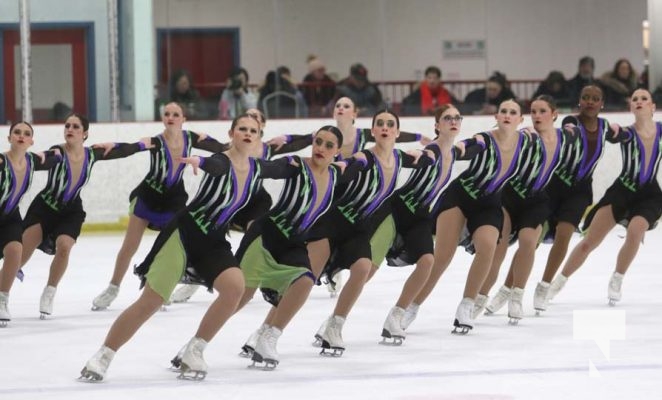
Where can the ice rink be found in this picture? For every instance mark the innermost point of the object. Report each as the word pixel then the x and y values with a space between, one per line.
pixel 546 357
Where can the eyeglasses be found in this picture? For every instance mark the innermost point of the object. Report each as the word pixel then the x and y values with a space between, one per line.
pixel 73 126
pixel 449 118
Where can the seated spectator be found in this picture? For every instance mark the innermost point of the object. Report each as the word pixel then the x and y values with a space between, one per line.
pixel 181 91
pixel 584 77
pixel 237 97
pixel 555 86
pixel 430 95
pixel 618 84
pixel 288 102
pixel 318 88
pixel 486 100
pixel 366 96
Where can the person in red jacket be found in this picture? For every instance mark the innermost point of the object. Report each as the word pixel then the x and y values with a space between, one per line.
pixel 430 95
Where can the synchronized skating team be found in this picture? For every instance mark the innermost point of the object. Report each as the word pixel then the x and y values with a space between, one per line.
pixel 339 209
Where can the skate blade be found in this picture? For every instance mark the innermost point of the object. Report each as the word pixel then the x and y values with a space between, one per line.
pixel 513 321
pixel 461 329
pixel 612 302
pixel 190 375
pixel 395 340
pixel 89 376
pixel 488 312
pixel 392 341
pixel 262 364
pixel 328 351
pixel 43 315
pixel 3 323
pixel 97 308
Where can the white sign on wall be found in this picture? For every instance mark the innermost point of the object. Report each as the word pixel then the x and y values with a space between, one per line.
pixel 457 49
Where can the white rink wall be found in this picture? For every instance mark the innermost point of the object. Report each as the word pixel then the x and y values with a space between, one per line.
pixel 106 196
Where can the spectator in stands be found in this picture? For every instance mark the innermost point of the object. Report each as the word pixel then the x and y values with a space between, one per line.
pixel 181 91
pixel 237 96
pixel 365 95
pixel 430 95
pixel 279 96
pixel 318 88
pixel 486 100
pixel 584 77
pixel 555 86
pixel 618 84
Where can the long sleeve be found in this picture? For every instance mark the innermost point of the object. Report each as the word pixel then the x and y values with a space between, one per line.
pixel 216 165
pixel 294 144
pixel 208 144
pixel 121 150
pixel 50 160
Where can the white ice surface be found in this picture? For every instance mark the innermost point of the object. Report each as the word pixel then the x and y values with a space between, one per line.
pixel 539 359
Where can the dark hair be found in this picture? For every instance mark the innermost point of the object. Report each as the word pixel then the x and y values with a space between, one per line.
pixel 514 101
pixel 547 99
pixel 11 128
pixel 387 111
pixel 330 128
pixel 83 120
pixel 239 70
pixel 587 60
pixel 433 70
pixel 596 87
pixel 499 78
pixel 237 118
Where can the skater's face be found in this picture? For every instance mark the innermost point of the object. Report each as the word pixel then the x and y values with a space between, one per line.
pixel 450 122
pixel 173 116
pixel 325 147
pixel 509 115
pixel 344 110
pixel 245 133
pixel 385 128
pixel 642 104
pixel 590 101
pixel 542 115
pixel 20 136
pixel 74 132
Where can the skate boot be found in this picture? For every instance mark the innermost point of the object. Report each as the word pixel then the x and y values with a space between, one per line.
pixel 556 286
pixel 613 291
pixel 500 300
pixel 249 347
pixel 515 309
pixel 46 302
pixel 540 297
pixel 96 367
pixel 320 332
pixel 193 365
pixel 102 301
pixel 393 327
pixel 463 323
pixel 184 293
pixel 334 288
pixel 265 349
pixel 5 317
pixel 332 343
pixel 410 316
pixel 479 307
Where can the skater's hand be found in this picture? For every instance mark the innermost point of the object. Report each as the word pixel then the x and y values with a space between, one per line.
pixel 107 147
pixel 193 161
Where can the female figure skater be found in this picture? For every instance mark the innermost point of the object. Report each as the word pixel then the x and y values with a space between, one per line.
pixel 633 200
pixel 195 244
pixel 55 217
pixel 16 168
pixel 161 193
